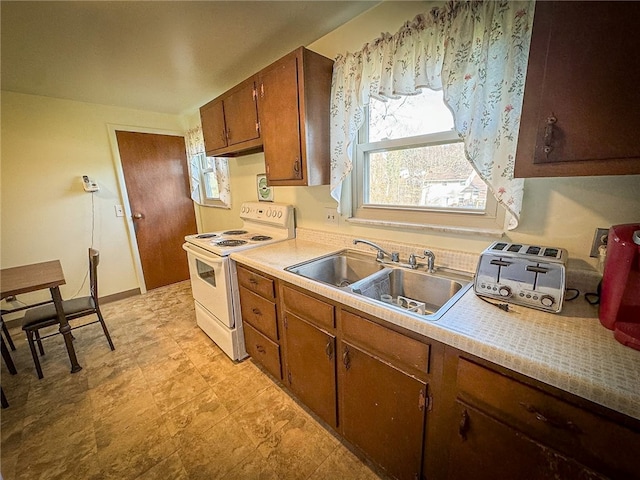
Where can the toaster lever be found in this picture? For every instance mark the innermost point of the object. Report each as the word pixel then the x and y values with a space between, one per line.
pixel 531 268
pixel 500 263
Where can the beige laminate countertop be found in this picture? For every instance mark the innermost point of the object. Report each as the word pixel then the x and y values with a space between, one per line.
pixel 570 350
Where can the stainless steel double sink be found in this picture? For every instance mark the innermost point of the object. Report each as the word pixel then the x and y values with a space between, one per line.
pixel 416 292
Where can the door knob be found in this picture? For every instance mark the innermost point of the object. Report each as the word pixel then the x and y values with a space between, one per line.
pixel 137 216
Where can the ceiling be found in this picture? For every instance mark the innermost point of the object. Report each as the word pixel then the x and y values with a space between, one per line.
pixel 169 57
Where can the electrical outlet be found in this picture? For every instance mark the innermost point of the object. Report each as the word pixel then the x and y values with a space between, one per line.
pixel 331 216
pixel 599 238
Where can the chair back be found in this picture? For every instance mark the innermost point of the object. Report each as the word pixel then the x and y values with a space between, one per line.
pixel 94 259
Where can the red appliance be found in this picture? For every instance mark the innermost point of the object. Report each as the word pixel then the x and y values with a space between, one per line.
pixel 620 291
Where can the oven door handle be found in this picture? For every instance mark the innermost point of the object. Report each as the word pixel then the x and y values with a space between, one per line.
pixel 202 254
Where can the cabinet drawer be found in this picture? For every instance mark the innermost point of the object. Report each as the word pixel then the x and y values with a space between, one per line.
pixel 584 435
pixel 259 312
pixel 263 350
pixel 256 283
pixel 309 308
pixel 385 343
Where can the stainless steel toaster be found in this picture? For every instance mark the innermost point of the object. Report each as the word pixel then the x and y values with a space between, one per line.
pixel 528 275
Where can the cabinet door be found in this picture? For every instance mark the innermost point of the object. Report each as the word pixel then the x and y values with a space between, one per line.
pixel 311 366
pixel 483 448
pixel 280 121
pixel 213 127
pixel 382 411
pixel 241 115
pixel 580 113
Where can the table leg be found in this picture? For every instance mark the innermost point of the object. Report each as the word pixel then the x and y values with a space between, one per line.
pixel 7 357
pixel 65 329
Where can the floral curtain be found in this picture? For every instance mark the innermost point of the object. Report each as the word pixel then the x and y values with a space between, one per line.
pixel 199 163
pixel 476 52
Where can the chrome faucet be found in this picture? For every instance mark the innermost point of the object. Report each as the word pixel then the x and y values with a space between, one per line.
pixel 394 256
pixel 431 261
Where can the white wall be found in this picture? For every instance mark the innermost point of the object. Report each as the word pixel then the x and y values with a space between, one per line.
pixel 561 212
pixel 47 145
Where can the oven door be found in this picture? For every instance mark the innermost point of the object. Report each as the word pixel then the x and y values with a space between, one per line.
pixel 211 283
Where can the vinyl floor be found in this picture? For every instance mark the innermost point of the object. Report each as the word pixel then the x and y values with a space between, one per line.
pixel 166 404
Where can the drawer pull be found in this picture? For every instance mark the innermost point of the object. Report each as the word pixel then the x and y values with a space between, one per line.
pixel 552 422
pixel 463 427
pixel 345 358
pixel 253 281
pixel 548 134
pixel 256 311
pixel 260 349
pixel 329 350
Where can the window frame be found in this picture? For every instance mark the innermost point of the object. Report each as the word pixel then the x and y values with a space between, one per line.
pixel 203 181
pixel 491 221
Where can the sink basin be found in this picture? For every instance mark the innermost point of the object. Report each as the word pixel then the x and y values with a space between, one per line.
pixel 415 292
pixel 339 269
pixel 421 293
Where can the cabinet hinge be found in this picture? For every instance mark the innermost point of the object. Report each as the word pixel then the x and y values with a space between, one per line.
pixel 286 323
pixel 254 93
pixel 258 126
pixel 423 401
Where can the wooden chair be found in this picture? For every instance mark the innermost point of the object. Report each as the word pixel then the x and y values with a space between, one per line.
pixel 45 316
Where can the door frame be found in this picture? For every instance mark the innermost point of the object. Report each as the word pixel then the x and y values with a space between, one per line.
pixel 124 195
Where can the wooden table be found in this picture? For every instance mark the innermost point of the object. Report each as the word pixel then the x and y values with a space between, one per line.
pixel 38 276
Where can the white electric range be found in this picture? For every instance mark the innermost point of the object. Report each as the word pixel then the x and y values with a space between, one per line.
pixel 214 281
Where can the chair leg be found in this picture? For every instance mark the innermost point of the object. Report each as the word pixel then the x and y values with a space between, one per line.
pixel 5 403
pixel 6 334
pixel 104 328
pixel 34 354
pixel 40 347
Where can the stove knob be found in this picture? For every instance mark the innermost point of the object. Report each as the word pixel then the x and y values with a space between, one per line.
pixel 547 300
pixel 505 291
pixel 280 214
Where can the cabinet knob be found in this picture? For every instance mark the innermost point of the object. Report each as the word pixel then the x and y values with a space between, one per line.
pixel 463 428
pixel 329 350
pixel 138 216
pixel 345 358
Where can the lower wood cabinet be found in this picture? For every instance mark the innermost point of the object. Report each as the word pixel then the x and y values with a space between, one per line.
pixel 419 409
pixel 502 425
pixel 484 448
pixel 382 411
pixel 311 366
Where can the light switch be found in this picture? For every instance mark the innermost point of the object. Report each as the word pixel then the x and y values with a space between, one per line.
pixel 119 210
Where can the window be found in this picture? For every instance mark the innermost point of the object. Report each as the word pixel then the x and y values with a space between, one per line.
pixel 210 181
pixel 410 168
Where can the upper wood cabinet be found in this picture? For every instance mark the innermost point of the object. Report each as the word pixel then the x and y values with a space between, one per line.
pixel 580 114
pixel 293 102
pixel 230 122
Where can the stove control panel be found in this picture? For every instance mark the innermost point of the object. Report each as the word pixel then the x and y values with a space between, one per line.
pixel 528 275
pixel 272 213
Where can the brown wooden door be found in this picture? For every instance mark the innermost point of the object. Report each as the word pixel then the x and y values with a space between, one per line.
pixel 483 448
pixel 311 366
pixel 156 176
pixel 580 112
pixel 280 121
pixel 382 411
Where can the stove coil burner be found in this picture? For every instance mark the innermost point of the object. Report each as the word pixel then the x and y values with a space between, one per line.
pixel 260 238
pixel 206 235
pixel 234 232
pixel 230 243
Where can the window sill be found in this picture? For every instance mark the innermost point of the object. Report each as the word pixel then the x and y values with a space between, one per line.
pixel 485 232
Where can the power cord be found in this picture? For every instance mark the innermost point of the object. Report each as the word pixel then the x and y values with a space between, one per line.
pixel 501 306
pixel 93 228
